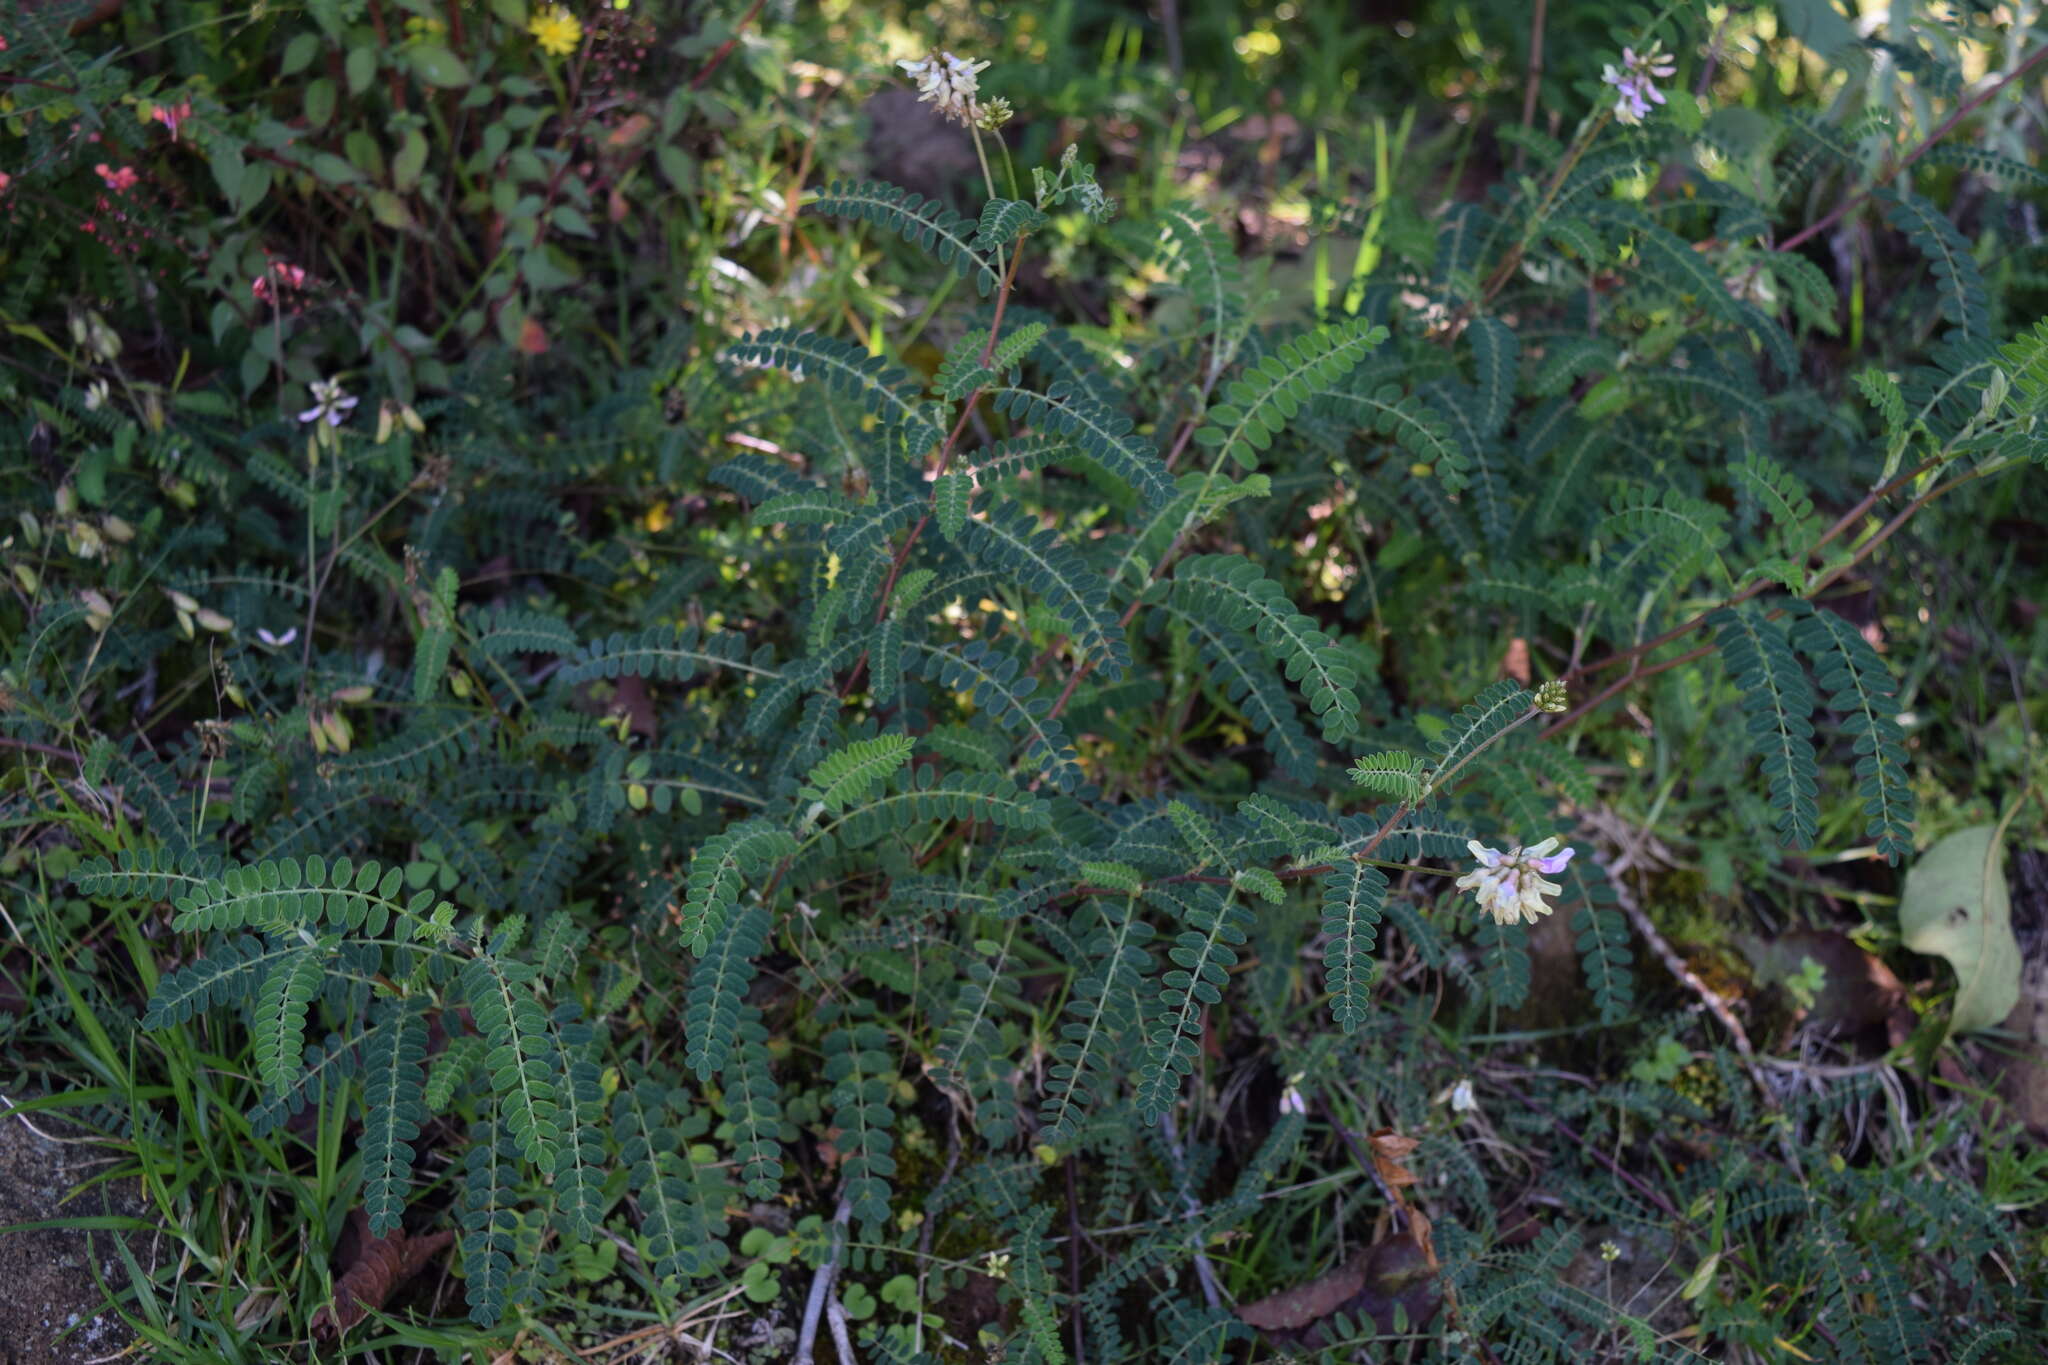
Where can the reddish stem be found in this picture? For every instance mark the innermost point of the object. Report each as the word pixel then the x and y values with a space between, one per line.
pixel 1948 124
pixel 718 57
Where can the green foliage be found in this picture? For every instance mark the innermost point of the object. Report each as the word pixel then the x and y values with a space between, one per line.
pixel 1046 565
pixel 394 1108
pixel 520 1058
pixel 858 1070
pixel 1959 286
pixel 757 733
pixel 1202 956
pixel 878 388
pixel 1859 687
pixel 1778 707
pixel 1259 406
pixel 718 870
pixel 1391 773
pixel 951 239
pixel 846 776
pixel 1096 432
pixel 1352 896
pixel 1233 591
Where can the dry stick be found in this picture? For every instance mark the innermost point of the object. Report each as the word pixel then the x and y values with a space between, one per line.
pixel 1677 966
pixel 1074 1258
pixel 8 742
pixel 1204 1271
pixel 1533 80
pixel 821 1286
pixel 1948 124
pixel 842 1340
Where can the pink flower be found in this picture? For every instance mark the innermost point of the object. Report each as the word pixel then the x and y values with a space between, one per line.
pixel 171 115
pixel 278 276
pixel 5 178
pixel 120 181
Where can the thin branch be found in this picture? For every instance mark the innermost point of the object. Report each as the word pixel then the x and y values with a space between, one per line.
pixel 8 742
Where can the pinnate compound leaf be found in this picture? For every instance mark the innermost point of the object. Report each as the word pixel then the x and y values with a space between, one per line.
pixel 719 871
pixel 1272 393
pixel 849 774
pixel 925 223
pixel 951 497
pixel 1239 595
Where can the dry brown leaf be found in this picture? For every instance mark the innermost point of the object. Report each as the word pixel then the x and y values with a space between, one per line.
pixel 1391 1274
pixel 382 1264
pixel 1516 664
pixel 629 131
pixel 1390 1152
pixel 1311 1302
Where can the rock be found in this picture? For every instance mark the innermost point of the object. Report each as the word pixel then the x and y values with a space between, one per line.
pixel 910 145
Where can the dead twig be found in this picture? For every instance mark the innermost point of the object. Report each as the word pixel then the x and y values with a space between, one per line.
pixel 821 1288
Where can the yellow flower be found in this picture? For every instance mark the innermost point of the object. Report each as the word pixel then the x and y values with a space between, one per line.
pixel 556 30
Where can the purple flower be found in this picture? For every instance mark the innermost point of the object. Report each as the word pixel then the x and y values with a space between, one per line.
pixel 1635 82
pixel 329 403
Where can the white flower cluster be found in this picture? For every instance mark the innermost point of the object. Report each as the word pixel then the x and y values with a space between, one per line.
pixel 949 84
pixel 1510 885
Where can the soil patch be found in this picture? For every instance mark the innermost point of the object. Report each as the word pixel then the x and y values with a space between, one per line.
pixel 51 1311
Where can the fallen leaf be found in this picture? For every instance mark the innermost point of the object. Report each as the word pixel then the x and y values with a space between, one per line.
pixel 629 131
pixel 1390 1152
pixel 1373 1283
pixel 382 1264
pixel 1955 905
pixel 2024 1081
pixel 1310 1302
